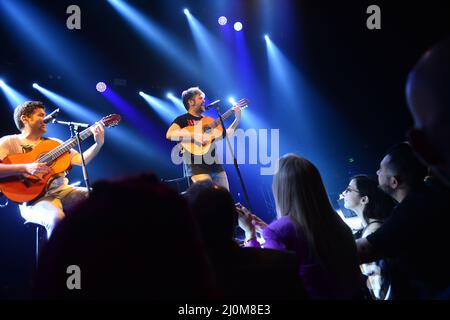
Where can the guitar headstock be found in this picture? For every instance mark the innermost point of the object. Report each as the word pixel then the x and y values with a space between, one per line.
pixel 112 120
pixel 243 103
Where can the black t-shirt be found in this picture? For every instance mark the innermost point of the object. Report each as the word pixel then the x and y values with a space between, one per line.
pixel 198 164
pixel 415 239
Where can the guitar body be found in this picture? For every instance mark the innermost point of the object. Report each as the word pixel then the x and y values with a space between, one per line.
pixel 201 127
pixel 26 187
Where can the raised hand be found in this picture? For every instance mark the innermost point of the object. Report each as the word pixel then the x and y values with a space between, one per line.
pixel 249 222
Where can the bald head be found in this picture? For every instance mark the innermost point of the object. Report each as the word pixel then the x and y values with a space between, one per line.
pixel 428 95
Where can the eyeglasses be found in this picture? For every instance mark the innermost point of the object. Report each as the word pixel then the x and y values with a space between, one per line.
pixel 348 189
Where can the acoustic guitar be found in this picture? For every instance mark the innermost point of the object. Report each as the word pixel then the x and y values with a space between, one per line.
pixel 210 126
pixel 26 187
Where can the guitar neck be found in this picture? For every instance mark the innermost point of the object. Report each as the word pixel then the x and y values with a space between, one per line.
pixel 65 147
pixel 224 116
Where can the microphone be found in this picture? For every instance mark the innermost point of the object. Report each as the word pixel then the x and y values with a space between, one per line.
pixel 52 116
pixel 212 104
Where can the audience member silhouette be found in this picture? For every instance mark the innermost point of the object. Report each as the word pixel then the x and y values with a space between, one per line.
pixel 372 206
pixel 242 273
pixel 428 95
pixel 132 239
pixel 428 98
pixel 414 236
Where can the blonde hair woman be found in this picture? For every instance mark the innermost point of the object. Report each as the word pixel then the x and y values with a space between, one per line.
pixel 308 225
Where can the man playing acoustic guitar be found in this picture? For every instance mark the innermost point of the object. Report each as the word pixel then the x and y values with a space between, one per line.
pixel 47 209
pixel 198 146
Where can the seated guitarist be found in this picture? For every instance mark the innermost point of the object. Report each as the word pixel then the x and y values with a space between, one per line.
pixel 48 209
pixel 200 167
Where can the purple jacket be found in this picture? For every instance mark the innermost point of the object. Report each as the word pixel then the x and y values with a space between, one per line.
pixel 282 235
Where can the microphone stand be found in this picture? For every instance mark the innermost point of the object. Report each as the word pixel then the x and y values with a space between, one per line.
pixel 73 126
pixel 236 166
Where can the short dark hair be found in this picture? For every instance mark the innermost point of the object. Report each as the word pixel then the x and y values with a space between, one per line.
pixel 380 203
pixel 189 94
pixel 214 210
pixel 26 109
pixel 405 165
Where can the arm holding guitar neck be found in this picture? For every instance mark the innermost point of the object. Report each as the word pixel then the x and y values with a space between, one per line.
pixel 89 154
pixel 233 126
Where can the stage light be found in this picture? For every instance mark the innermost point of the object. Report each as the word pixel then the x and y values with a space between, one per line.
pixel 212 53
pixel 222 20
pixel 232 100
pixel 266 37
pixel 157 37
pixel 177 102
pixel 238 26
pixel 72 107
pixel 101 87
pixel 13 96
pixel 163 108
pixel 186 12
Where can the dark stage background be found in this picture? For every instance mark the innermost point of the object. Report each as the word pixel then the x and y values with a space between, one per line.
pixel 334 88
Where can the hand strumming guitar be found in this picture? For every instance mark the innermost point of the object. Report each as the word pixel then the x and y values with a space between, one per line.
pixel 202 138
pixel 36 168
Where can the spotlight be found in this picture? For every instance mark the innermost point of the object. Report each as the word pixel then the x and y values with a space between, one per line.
pixel 186 12
pixel 101 87
pixel 238 26
pixel 2 83
pixel 222 20
pixel 266 37
pixel 232 100
pixel 141 93
pixel 35 85
pixel 170 95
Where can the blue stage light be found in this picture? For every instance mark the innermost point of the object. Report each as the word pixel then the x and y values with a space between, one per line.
pixel 222 20
pixel 238 26
pixel 163 108
pixel 177 102
pixel 158 37
pixel 13 96
pixel 70 106
pixel 232 100
pixel 101 87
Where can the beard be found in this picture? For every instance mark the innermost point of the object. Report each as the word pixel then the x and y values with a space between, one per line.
pixel 386 189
